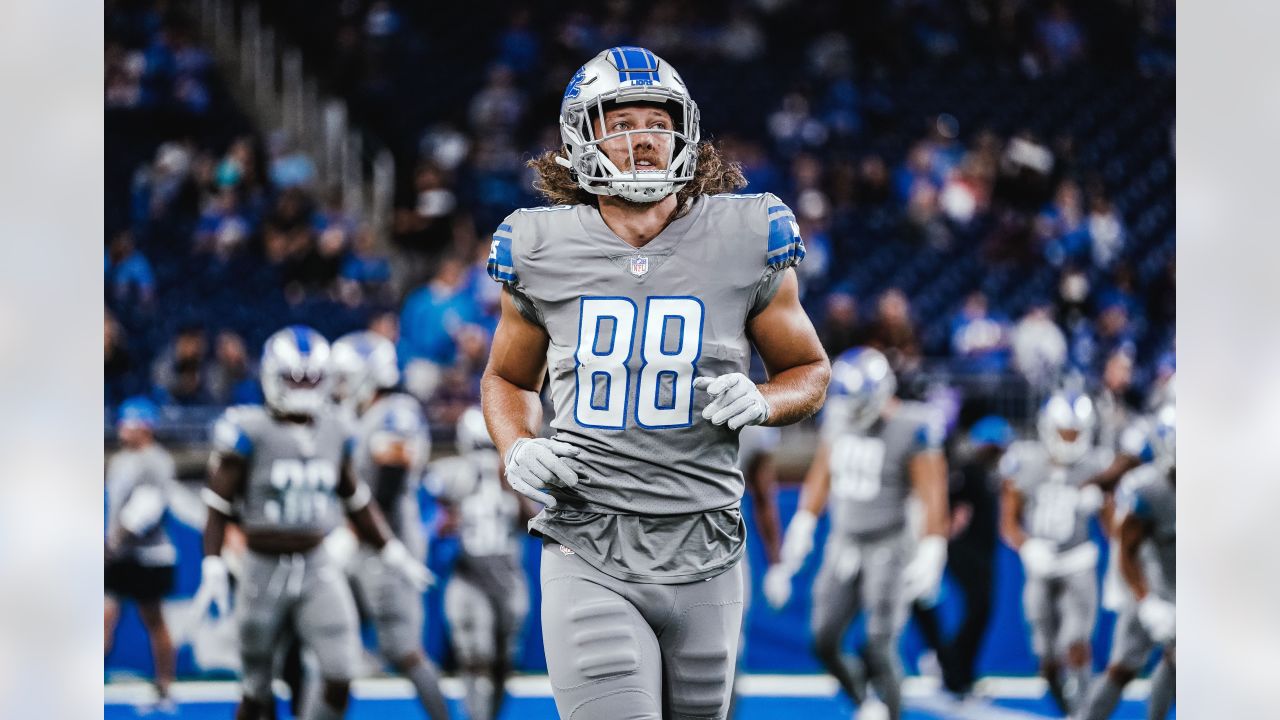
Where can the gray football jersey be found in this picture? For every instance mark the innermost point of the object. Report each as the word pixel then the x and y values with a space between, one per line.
pixel 131 474
pixel 488 517
pixel 396 417
pixel 1051 492
pixel 630 328
pixel 870 479
pixel 293 468
pixel 1155 503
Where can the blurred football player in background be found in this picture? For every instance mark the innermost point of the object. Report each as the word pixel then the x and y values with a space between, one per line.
pixel 642 292
pixel 1045 508
pixel 139 555
pixel 1147 538
pixel 391 447
pixel 756 447
pixel 874 454
pixel 284 471
pixel 487 598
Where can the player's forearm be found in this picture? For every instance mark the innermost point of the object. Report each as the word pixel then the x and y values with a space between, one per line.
pixel 510 412
pixel 765 510
pixel 1109 478
pixel 1010 520
pixel 797 392
pixel 215 533
pixel 929 471
pixel 370 525
pixel 1131 536
pixel 817 482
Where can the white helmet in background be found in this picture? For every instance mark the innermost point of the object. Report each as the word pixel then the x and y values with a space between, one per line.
pixel 363 363
pixel 862 384
pixel 472 433
pixel 295 371
pixel 627 75
pixel 1066 425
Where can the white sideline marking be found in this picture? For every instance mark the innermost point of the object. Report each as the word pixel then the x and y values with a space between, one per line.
pixel 137 692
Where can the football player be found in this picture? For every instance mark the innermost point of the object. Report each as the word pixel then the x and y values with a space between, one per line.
pixel 875 453
pixel 487 598
pixel 139 555
pixel 391 447
pixel 283 470
pixel 1147 561
pixel 641 294
pixel 1045 506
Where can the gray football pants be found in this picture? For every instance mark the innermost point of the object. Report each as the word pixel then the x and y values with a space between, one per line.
pixel 394 606
pixel 1061 611
pixel 479 622
pixel 307 591
pixel 638 651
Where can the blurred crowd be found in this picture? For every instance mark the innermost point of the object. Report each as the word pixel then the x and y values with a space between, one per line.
pixel 985 188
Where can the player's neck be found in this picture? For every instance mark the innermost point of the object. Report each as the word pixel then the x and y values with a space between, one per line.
pixel 637 223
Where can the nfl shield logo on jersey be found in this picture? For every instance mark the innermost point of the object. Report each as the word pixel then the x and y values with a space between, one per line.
pixel 639 265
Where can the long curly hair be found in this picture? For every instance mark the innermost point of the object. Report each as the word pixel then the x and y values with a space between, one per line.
pixel 714 175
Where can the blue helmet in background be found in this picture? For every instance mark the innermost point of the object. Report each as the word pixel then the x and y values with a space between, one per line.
pixel 862 383
pixel 139 411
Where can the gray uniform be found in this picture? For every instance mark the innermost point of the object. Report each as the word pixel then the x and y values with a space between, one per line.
pixel 630 328
pixel 1062 607
pixel 868 546
pixel 138 484
pixel 293 472
pixel 487 598
pixel 1149 496
pixel 394 605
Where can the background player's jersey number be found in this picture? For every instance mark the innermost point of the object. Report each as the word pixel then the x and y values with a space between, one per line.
pixel 606 338
pixel 304 490
pixel 856 467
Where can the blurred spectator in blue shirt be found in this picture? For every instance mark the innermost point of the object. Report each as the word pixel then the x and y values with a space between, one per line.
pixel 222 228
pixel 518 46
pixel 435 314
pixel 1060 227
pixel 290 166
pixel 366 272
pixel 178 373
pixel 979 339
pixel 130 281
pixel 1060 38
pixel 233 375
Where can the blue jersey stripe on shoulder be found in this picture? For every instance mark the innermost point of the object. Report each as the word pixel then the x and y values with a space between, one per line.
pixel 500 266
pixel 504 228
pixel 776 208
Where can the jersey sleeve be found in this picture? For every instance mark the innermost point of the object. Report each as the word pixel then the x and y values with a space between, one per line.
pixel 402 423
pixel 231 435
pixel 1014 466
pixel 501 265
pixel 784 248
pixel 929 434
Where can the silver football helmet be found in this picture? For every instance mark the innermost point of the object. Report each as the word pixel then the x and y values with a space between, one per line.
pixel 862 383
pixel 627 75
pixel 363 363
pixel 1066 425
pixel 295 371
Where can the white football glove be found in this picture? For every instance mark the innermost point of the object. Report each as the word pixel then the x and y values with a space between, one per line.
pixel 922 578
pixel 1090 499
pixel 1158 617
pixel 735 401
pixel 1038 557
pixel 396 557
pixel 215 588
pixel 777 585
pixel 535 463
